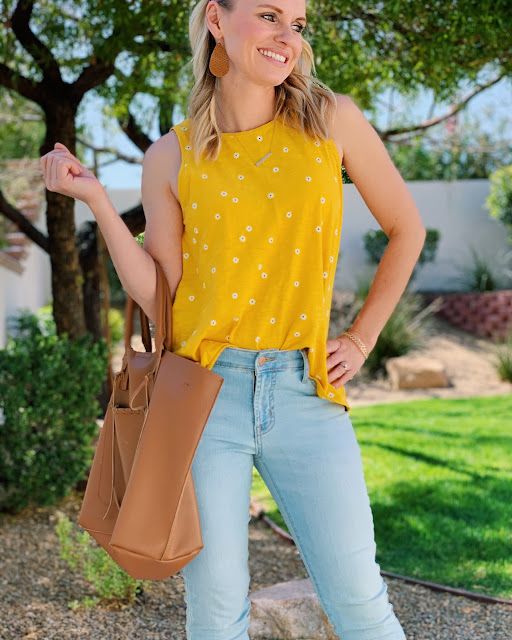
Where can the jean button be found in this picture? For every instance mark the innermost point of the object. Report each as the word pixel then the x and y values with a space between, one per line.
pixel 262 360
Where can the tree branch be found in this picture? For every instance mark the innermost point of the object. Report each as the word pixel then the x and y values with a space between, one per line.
pixel 116 152
pixel 24 224
pixel 12 80
pixel 38 50
pixel 430 122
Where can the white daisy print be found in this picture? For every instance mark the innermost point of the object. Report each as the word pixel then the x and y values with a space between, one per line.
pixel 259 138
pixel 183 343
pixel 271 240
pixel 240 177
pixel 257 338
pixel 184 128
pixel 242 238
pixel 235 199
pixel 289 214
pixel 303 316
pixel 194 205
pixel 234 295
pixel 236 318
pixel 248 227
pixel 205 247
pixel 213 322
pixel 317 143
pixel 272 320
pixel 308 178
pixel 217 216
pixel 270 195
pixel 326 274
pixel 235 259
pixel 191 298
pixel 223 193
pixel 322 200
pixel 318 228
pixel 331 259
pixel 196 230
pixel 204 176
pixel 214 269
pixel 296 283
pixel 275 169
pixel 188 147
pixel 297 251
pixel 236 154
pixel 252 301
pixel 285 149
pixel 194 240
pixel 263 275
pixel 185 255
pixel 297 334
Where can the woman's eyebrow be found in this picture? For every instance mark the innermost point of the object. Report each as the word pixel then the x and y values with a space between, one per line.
pixel 278 10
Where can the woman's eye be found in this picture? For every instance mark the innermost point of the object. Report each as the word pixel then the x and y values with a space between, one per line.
pixel 301 27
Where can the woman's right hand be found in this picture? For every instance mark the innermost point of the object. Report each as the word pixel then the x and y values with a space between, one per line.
pixel 63 173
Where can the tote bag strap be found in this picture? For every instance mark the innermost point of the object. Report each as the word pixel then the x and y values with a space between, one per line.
pixel 163 324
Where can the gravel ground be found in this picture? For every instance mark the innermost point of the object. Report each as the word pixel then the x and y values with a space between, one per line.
pixel 36 586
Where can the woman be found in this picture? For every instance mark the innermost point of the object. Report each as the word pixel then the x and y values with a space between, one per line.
pixel 243 201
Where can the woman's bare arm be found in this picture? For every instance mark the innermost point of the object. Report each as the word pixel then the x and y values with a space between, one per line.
pixel 371 169
pixel 135 265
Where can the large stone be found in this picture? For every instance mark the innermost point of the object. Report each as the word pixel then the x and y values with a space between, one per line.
pixel 289 611
pixel 416 372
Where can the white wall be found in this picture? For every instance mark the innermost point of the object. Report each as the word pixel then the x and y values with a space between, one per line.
pixel 456 209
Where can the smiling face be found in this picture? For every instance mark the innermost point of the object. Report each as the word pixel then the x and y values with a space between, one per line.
pixel 263 42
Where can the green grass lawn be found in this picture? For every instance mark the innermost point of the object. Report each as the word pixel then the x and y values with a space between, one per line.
pixel 439 476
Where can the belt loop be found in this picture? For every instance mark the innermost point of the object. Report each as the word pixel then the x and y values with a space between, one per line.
pixel 306 364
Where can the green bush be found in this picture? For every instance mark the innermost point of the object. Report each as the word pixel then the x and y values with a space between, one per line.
pixel 499 200
pixel 400 334
pixel 115 321
pixel 504 358
pixel 478 277
pixel 48 389
pixel 83 553
pixel 376 241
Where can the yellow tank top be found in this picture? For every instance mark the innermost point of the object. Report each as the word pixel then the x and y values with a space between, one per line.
pixel 260 247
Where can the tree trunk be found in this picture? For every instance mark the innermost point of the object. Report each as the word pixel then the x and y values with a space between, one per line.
pixel 67 278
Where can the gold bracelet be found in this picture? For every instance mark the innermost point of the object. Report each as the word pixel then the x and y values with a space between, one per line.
pixel 358 342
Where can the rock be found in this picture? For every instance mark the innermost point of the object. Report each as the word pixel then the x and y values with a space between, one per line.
pixel 289 611
pixel 416 372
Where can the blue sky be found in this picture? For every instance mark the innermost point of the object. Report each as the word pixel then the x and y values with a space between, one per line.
pixel 489 109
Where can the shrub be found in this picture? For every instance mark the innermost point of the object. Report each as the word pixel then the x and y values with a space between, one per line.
pixel 400 334
pixel 499 200
pixel 48 389
pixel 376 241
pixel 81 552
pixel 479 276
pixel 504 356
pixel 115 320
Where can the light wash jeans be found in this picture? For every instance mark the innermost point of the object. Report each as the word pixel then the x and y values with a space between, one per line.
pixel 269 415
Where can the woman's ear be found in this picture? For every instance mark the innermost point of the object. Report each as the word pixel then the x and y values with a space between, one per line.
pixel 213 16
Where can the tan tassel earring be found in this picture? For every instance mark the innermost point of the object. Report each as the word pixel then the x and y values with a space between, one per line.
pixel 219 61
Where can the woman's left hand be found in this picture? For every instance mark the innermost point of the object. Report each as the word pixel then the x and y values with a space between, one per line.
pixel 342 349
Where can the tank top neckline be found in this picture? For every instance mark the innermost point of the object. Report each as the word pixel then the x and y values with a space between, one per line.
pixel 262 127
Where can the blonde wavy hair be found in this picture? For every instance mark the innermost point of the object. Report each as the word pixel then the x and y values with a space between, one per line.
pixel 302 101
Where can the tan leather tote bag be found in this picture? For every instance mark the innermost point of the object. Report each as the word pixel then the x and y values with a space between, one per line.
pixel 140 502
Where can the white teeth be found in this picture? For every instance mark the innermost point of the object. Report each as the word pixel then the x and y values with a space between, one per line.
pixel 271 54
